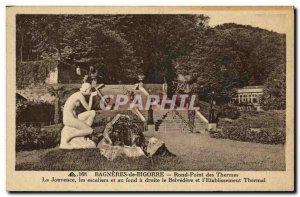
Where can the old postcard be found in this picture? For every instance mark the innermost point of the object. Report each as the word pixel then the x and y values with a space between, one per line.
pixel 150 99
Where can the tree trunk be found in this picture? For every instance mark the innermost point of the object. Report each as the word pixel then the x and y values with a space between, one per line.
pixel 56 111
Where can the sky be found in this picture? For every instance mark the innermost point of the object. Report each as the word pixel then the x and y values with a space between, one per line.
pixel 272 22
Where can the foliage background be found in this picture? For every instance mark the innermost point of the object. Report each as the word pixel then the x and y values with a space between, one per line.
pixel 218 59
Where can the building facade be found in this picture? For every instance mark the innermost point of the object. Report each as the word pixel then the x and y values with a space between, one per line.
pixel 248 98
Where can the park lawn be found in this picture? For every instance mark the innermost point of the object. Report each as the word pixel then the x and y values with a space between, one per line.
pixel 254 119
pixel 194 152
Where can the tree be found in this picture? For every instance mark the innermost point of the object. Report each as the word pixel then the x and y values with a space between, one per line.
pixel 218 59
pixel 160 39
pixel 232 56
pixel 82 40
pixel 274 95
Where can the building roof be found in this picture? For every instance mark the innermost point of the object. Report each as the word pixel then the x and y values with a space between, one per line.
pixel 36 94
pixel 20 97
pixel 40 93
pixel 251 89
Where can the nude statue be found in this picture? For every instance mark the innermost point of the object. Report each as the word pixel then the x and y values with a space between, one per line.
pixel 78 125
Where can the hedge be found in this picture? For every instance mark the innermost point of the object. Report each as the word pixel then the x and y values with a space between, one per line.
pixel 273 135
pixel 32 138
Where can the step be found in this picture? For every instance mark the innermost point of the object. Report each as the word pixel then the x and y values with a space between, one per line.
pixel 167 121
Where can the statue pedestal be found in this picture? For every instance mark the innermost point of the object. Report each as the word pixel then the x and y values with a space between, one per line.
pixel 75 143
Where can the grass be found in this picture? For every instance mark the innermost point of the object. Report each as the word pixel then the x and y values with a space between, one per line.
pixel 265 119
pixel 194 152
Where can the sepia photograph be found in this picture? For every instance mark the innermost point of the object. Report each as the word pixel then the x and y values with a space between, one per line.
pixel 193 91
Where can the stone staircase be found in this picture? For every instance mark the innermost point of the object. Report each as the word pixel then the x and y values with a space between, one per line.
pixel 199 125
pixel 169 121
pixel 164 120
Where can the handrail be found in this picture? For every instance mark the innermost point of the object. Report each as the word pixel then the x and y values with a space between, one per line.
pixel 189 125
pixel 201 117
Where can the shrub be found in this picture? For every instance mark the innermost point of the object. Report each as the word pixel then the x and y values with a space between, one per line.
pixel 229 112
pixel 31 138
pixel 263 135
pixel 253 119
pixel 128 130
pixel 134 118
pixel 274 96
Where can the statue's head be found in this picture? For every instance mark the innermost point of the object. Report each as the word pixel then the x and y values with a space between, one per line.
pixel 86 89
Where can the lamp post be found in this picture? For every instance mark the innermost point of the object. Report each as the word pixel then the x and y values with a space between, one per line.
pixel 212 119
